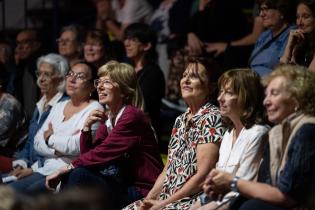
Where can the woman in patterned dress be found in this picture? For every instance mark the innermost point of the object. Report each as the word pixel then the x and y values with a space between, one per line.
pixel 194 144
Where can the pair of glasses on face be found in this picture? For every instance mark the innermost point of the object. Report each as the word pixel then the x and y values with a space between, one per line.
pixel 64 41
pixel 80 77
pixel 106 83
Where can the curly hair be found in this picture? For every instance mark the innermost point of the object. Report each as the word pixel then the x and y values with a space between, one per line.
pixel 246 84
pixel 299 83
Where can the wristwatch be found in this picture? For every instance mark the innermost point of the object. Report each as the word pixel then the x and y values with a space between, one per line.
pixel 70 166
pixel 233 184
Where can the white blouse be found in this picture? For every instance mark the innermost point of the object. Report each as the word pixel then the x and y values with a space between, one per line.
pixel 65 139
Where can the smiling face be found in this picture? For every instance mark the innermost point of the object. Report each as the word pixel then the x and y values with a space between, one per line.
pixel 305 19
pixel 278 101
pixel 78 82
pixel 195 85
pixel 93 50
pixel 228 101
pixel 48 79
pixel 109 92
pixel 270 17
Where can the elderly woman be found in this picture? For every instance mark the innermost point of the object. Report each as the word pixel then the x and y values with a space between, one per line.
pixel 123 157
pixel 301 43
pixel 70 43
pixel 194 144
pixel 277 17
pixel 286 177
pixel 241 148
pixel 57 141
pixel 51 73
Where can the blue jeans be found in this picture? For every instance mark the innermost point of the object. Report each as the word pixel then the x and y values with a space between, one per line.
pixel 252 204
pixel 116 193
pixel 31 184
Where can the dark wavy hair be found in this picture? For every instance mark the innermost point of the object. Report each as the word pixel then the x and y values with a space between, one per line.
pixel 246 84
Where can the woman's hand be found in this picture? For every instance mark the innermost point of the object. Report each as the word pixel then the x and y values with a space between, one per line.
pixel 217 48
pixel 20 172
pixel 53 179
pixel 95 115
pixel 219 182
pixel 48 132
pixel 150 204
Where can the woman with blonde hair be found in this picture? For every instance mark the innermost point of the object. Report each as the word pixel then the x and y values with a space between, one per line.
pixel 125 143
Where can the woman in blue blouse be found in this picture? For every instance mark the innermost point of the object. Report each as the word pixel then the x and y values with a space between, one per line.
pixel 277 16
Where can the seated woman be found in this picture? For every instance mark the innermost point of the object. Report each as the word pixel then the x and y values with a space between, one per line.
pixel 301 43
pixel 52 70
pixel 58 138
pixel 286 176
pixel 13 126
pixel 240 98
pixel 277 18
pixel 123 158
pixel 194 144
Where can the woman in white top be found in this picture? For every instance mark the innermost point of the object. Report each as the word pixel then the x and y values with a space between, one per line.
pixel 240 98
pixel 58 140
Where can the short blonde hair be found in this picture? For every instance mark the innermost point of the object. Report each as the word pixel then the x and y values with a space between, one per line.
pixel 125 76
pixel 299 83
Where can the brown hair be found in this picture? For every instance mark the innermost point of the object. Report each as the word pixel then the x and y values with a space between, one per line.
pixel 246 84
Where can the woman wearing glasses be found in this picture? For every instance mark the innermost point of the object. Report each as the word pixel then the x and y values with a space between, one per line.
pixel 51 73
pixel 57 141
pixel 125 143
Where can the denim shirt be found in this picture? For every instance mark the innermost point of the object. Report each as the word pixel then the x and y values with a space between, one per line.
pixel 28 154
pixel 264 60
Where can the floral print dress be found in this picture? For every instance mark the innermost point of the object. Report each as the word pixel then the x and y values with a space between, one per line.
pixel 204 127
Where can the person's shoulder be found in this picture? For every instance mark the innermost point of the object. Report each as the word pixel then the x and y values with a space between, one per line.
pixel 95 105
pixel 261 128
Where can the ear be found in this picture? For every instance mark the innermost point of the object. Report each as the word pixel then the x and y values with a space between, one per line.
pixel 147 46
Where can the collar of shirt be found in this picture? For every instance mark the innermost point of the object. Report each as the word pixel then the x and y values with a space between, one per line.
pixel 108 122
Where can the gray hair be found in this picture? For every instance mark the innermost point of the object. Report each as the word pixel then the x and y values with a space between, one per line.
pixel 60 65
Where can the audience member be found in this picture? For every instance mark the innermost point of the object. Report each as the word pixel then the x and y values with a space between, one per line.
pixel 97 47
pixel 51 73
pixel 277 16
pixel 236 52
pixel 58 138
pixel 242 145
pixel 127 12
pixel 193 147
pixel 301 43
pixel 123 158
pixel 13 126
pixel 28 46
pixel 286 175
pixel 70 43
pixel 140 42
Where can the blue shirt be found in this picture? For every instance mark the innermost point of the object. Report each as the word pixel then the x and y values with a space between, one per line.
pixel 264 59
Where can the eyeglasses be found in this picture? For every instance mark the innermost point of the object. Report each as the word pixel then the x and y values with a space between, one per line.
pixel 92 46
pixel 64 41
pixel 80 77
pixel 45 75
pixel 105 83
